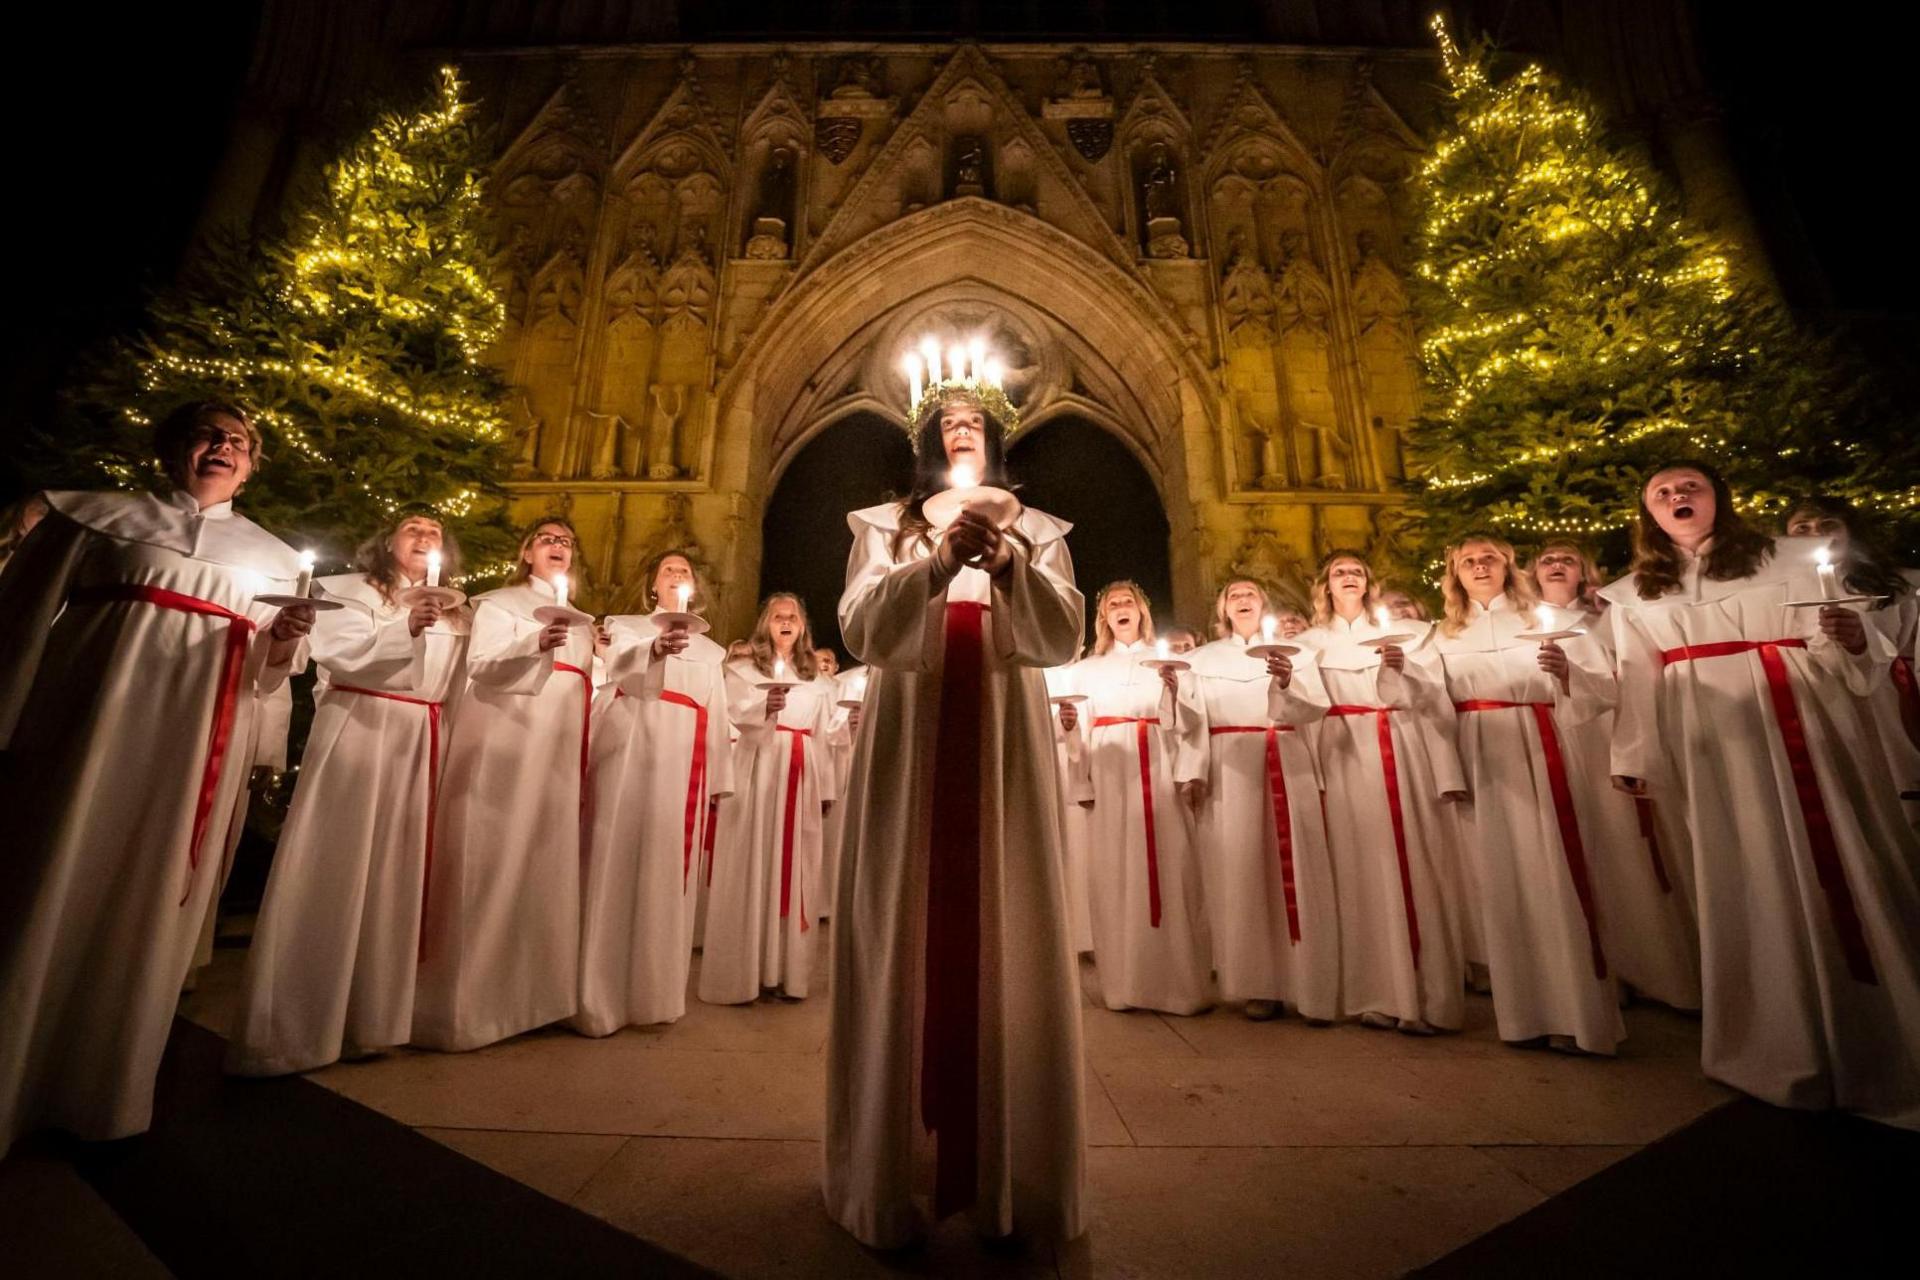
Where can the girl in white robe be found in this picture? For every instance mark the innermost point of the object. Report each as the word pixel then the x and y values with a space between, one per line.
pixel 953 1062
pixel 660 758
pixel 1261 830
pixel 1146 740
pixel 1525 836
pixel 133 659
pixel 502 924
pixel 1391 825
pixel 1745 716
pixel 1641 863
pixel 760 916
pixel 331 969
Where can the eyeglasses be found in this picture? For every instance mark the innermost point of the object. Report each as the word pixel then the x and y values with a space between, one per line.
pixel 553 540
pixel 1556 558
pixel 213 437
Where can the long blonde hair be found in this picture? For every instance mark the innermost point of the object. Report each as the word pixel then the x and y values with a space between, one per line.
pixel 1588 592
pixel 1323 597
pixel 1223 625
pixel 803 663
pixel 1519 589
pixel 1102 633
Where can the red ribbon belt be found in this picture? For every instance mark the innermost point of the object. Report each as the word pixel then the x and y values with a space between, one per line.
pixel 950 1036
pixel 1903 681
pixel 1806 784
pixel 586 724
pixel 226 703
pixel 1146 806
pixel 696 776
pixel 1643 808
pixel 1390 773
pixel 433 785
pixel 1282 818
pixel 1563 811
pixel 796 771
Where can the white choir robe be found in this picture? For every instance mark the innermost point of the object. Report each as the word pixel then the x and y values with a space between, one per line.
pixel 106 713
pixel 1390 892
pixel 648 820
pixel 1029 1145
pixel 1810 984
pixel 1075 766
pixel 502 952
pixel 1896 700
pixel 1274 915
pixel 849 686
pixel 1144 962
pixel 760 915
pixel 336 947
pixel 1643 882
pixel 1540 908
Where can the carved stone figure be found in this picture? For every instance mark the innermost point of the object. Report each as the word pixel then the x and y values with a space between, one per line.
pixel 969 168
pixel 1246 293
pixel 1166 237
pixel 669 402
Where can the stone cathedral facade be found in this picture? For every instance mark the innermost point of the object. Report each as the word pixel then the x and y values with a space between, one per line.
pixel 710 256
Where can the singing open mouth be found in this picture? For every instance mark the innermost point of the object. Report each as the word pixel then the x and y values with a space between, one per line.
pixel 1683 512
pixel 213 461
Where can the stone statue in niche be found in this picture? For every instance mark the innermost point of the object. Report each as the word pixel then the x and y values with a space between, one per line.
pixel 1166 236
pixel 769 240
pixel 1377 292
pixel 669 402
pixel 560 288
pixel 530 427
pixel 1331 454
pixel 969 168
pixel 1302 295
pixel 512 269
pixel 604 446
pixel 1246 292
pixel 1083 77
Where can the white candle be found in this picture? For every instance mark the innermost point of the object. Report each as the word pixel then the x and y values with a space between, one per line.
pixel 433 568
pixel 860 688
pixel 303 586
pixel 1162 650
pixel 560 590
pixel 1268 625
pixel 1829 576
pixel 976 357
pixel 957 363
pixel 996 373
pixel 930 353
pixel 685 592
pixel 1381 617
pixel 963 476
pixel 913 381
pixel 1544 617
pixel 779 670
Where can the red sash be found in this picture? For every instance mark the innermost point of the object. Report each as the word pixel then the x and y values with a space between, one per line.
pixel 586 725
pixel 1904 682
pixel 1563 811
pixel 1643 809
pixel 1390 774
pixel 1806 784
pixel 1146 807
pixel 950 1036
pixel 796 772
pixel 696 777
pixel 1282 818
pixel 226 703
pixel 433 786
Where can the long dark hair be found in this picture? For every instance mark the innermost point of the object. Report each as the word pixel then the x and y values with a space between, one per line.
pixel 375 560
pixel 1738 548
pixel 1867 570
pixel 930 473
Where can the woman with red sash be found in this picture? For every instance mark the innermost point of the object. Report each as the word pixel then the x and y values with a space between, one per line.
pixel 502 923
pixel 133 663
pixel 1745 715
pixel 660 758
pixel 1526 839
pixel 1388 761
pixel 953 1061
pixel 331 970
pixel 761 903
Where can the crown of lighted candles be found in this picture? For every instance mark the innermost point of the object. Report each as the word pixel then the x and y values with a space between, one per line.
pixel 968 363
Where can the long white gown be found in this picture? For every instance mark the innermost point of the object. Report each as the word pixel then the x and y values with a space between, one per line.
pixel 1146 900
pixel 1896 700
pixel 1074 763
pixel 1395 842
pixel 1262 834
pixel 660 756
pixel 1529 846
pixel 999 1122
pixel 849 686
pixel 1641 863
pixel 1752 727
pixel 502 946
pixel 760 912
pixel 133 662
pixel 336 947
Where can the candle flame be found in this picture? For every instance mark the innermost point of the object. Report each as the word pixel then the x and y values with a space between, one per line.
pixel 1268 625
pixel 963 476
pixel 779 669
pixel 685 592
pixel 1545 617
pixel 1381 617
pixel 930 352
pixel 433 568
pixel 957 363
pixel 306 560
pixel 1162 650
pixel 1823 555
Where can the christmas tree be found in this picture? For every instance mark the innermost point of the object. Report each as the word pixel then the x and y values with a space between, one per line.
pixel 1578 331
pixel 358 340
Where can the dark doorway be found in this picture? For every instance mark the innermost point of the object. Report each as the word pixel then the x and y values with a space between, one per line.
pixel 1078 471
pixel 857 462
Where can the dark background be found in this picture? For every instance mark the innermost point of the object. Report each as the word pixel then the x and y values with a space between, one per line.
pixel 119 118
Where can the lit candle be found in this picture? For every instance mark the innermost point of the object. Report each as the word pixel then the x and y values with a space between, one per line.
pixel 303 586
pixel 685 592
pixel 930 353
pixel 976 356
pixel 957 363
pixel 963 476
pixel 996 374
pixel 1829 576
pixel 1162 650
pixel 433 568
pixel 1268 626
pixel 1543 615
pixel 560 590
pixel 913 381
pixel 860 688
pixel 779 670
pixel 1381 617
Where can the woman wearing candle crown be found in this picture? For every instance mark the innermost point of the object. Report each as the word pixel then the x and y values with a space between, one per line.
pixel 1744 716
pixel 502 927
pixel 1388 761
pixel 761 902
pixel 660 758
pixel 332 966
pixel 1525 839
pixel 134 659
pixel 953 1064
